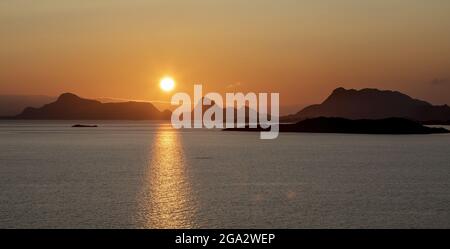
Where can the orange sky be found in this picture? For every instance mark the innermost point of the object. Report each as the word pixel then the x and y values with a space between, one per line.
pixel 302 49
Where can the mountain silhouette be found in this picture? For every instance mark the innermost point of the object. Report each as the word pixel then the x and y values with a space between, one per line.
pixel 245 113
pixel 360 126
pixel 372 104
pixel 69 106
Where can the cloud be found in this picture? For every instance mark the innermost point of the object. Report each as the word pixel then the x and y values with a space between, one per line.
pixel 234 85
pixel 440 81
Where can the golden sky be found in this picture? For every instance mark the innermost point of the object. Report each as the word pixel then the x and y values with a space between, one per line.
pixel 302 49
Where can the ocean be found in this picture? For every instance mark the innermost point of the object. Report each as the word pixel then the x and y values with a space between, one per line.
pixel 126 174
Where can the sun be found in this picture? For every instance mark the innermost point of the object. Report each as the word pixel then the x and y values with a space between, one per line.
pixel 167 84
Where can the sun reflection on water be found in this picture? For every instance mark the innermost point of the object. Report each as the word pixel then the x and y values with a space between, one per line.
pixel 166 200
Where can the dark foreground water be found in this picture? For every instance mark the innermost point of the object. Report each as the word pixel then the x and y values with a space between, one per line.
pixel 147 175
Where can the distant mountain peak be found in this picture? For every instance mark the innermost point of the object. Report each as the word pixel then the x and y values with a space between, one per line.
pixel 68 96
pixel 372 103
pixel 339 90
pixel 342 90
pixel 70 106
pixel 372 95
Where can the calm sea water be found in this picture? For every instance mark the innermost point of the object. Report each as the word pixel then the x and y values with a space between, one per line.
pixel 147 175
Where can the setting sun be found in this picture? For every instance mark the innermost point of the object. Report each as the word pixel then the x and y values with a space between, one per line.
pixel 167 84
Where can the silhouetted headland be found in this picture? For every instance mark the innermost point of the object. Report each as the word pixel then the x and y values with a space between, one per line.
pixel 71 107
pixel 360 126
pixel 373 104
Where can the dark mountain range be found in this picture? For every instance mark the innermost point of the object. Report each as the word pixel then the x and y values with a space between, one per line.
pixel 360 126
pixel 372 104
pixel 245 113
pixel 71 107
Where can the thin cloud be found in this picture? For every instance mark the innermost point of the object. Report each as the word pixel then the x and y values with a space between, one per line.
pixel 440 81
pixel 234 85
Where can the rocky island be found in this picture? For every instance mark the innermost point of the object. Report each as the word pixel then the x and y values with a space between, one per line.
pixel 359 126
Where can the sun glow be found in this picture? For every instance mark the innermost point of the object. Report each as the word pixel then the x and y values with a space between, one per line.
pixel 167 84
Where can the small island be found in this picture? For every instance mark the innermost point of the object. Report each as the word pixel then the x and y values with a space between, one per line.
pixel 359 126
pixel 84 126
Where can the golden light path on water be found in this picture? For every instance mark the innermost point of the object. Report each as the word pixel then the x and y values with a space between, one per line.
pixel 166 200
